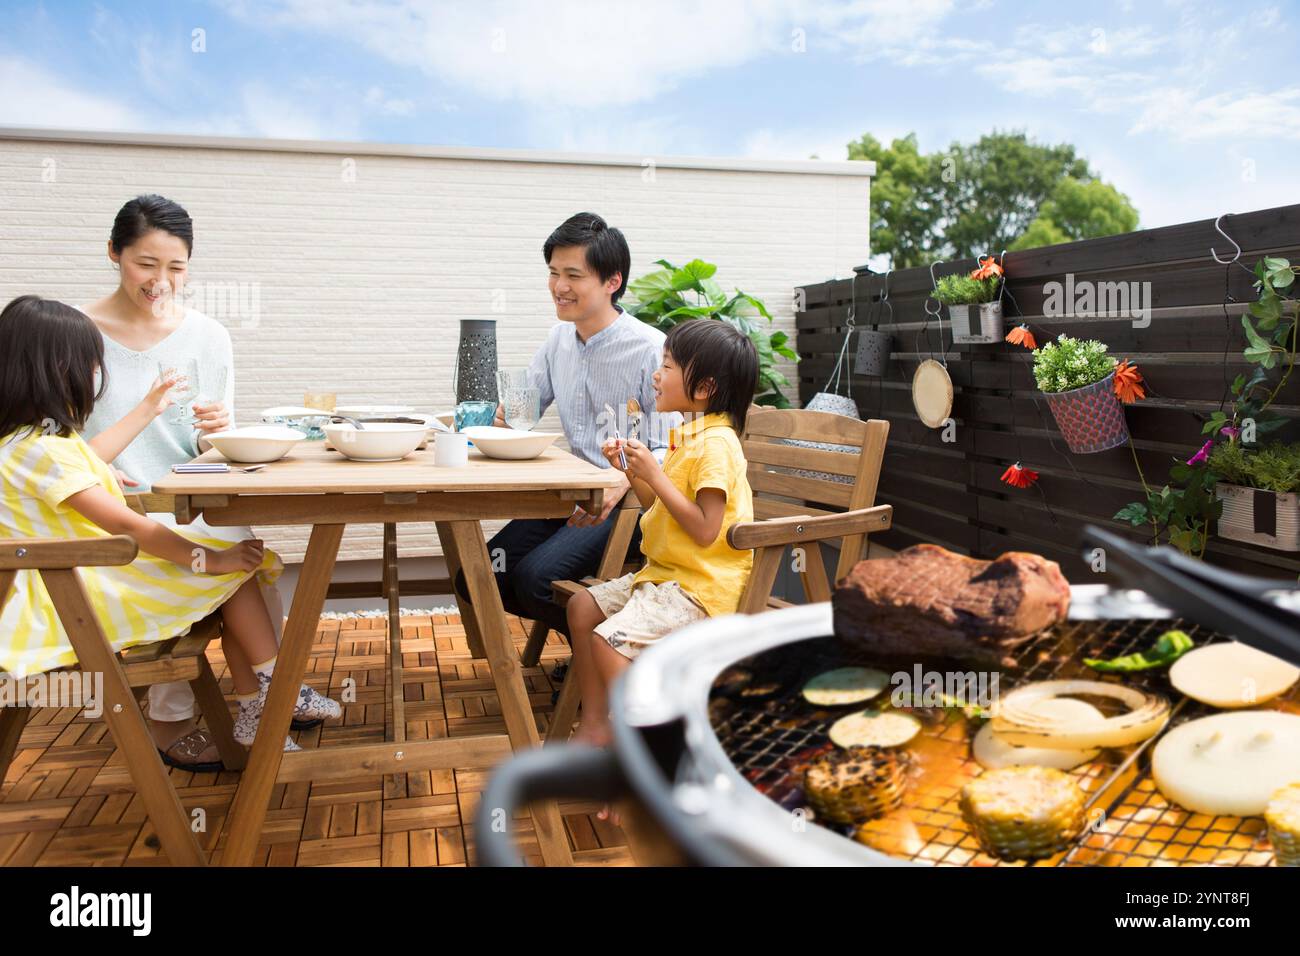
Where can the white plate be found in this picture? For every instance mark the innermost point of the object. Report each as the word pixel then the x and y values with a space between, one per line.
pixel 507 443
pixel 358 411
pixel 291 411
pixel 256 444
pixel 378 441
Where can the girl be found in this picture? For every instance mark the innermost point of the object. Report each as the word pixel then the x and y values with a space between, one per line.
pixel 709 372
pixel 52 484
pixel 143 323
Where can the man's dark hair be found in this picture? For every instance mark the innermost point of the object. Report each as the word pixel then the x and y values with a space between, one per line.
pixel 48 355
pixel 605 248
pixel 711 349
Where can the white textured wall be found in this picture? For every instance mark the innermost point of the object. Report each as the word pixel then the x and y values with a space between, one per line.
pixel 364 264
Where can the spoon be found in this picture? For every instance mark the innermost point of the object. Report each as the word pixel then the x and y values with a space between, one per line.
pixel 251 468
pixel 633 418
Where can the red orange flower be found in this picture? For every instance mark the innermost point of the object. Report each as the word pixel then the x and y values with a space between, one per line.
pixel 1021 335
pixel 988 268
pixel 1128 383
pixel 1018 476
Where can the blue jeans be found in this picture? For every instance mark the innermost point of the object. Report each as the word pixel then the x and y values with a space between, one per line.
pixel 538 551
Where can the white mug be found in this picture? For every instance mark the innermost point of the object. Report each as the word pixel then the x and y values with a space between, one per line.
pixel 450 449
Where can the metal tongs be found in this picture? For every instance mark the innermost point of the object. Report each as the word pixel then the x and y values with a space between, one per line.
pixel 1231 603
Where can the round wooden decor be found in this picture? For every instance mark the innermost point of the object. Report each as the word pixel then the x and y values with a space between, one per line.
pixel 932 393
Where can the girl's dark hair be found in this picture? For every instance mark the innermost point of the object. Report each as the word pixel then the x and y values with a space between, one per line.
pixel 712 349
pixel 606 249
pixel 48 355
pixel 144 214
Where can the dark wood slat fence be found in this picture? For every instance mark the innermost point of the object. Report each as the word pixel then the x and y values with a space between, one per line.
pixel 950 493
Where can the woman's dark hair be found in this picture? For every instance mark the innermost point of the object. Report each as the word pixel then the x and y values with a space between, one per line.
pixel 711 349
pixel 48 355
pixel 606 249
pixel 143 214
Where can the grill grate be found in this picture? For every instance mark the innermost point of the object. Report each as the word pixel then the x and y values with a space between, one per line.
pixel 771 733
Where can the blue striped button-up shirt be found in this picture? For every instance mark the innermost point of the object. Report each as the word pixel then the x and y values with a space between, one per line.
pixel 581 378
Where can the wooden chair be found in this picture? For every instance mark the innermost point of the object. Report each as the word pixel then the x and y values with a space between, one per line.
pixel 783 514
pixel 126 676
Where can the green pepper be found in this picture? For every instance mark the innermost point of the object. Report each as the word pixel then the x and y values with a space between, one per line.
pixel 1171 646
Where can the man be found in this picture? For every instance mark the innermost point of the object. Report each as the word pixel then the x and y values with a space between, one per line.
pixel 598 355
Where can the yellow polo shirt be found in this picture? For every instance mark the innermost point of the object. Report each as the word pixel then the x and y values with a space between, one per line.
pixel 703 453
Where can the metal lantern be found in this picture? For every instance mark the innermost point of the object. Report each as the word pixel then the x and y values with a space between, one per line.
pixel 476 361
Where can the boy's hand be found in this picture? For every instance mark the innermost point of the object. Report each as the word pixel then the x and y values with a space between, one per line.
pixel 245 556
pixel 641 463
pixel 499 419
pixel 123 479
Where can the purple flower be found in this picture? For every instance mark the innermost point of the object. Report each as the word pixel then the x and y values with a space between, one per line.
pixel 1203 455
pixel 1230 431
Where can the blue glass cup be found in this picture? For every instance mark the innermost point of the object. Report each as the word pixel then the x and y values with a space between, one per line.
pixel 469 414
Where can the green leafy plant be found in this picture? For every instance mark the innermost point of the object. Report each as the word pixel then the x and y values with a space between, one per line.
pixel 1183 509
pixel 1274 467
pixel 964 290
pixel 1070 363
pixel 671 294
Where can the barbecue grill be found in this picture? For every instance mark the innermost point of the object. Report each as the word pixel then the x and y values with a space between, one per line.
pixel 712 734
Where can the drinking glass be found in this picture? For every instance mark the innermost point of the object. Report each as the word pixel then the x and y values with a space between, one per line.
pixel 325 401
pixel 184 391
pixel 522 407
pixel 469 414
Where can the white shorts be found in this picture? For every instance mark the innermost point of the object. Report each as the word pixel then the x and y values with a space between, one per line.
pixel 636 619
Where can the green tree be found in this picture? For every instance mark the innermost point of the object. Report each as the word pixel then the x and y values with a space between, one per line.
pixel 968 200
pixel 1079 210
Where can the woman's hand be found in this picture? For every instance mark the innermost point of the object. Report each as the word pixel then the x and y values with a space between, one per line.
pixel 159 399
pixel 245 556
pixel 212 417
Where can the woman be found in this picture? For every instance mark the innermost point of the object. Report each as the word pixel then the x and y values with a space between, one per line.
pixel 146 325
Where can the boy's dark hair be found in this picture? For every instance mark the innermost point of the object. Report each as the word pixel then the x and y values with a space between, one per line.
pixel 144 214
pixel 606 249
pixel 48 355
pixel 713 349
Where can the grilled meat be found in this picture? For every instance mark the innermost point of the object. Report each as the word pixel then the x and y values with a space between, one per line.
pixel 929 602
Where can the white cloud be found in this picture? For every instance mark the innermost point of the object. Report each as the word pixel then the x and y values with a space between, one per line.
pixel 1187 115
pixel 30 95
pixel 586 54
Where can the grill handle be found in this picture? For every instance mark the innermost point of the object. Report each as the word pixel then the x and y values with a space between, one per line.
pixel 544 773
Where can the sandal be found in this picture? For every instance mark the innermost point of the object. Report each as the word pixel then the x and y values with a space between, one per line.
pixel 184 752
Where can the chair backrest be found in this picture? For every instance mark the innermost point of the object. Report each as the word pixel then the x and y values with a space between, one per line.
pixel 790 480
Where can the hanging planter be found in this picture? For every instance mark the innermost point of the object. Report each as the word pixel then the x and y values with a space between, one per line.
pixel 974 303
pixel 873 352
pixel 1259 490
pixel 1077 377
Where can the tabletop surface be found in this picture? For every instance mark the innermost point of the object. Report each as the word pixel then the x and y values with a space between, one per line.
pixel 310 469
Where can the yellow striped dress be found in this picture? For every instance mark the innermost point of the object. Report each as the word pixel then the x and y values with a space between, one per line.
pixel 150 599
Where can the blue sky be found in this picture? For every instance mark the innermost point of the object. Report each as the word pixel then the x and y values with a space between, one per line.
pixel 1191 108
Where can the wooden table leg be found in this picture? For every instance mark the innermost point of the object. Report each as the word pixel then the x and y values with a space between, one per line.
pixel 468 621
pixel 248 813
pixel 392 592
pixel 507 675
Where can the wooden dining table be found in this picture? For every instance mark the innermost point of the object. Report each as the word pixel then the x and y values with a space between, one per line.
pixel 317 486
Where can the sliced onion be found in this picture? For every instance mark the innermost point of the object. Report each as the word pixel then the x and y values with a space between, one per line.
pixel 1016 721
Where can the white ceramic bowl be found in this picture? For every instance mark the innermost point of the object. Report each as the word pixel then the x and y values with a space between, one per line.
pixel 509 443
pixel 255 444
pixel 377 411
pixel 378 441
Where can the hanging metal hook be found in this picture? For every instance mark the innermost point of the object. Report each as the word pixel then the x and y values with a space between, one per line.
pixel 938 306
pixel 884 299
pixel 1219 230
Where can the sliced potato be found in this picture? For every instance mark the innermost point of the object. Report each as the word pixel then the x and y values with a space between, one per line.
pixel 1232 675
pixel 845 685
pixel 993 753
pixel 869 728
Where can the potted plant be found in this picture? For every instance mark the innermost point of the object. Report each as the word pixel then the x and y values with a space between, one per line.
pixel 1078 378
pixel 1260 491
pixel 672 294
pixel 979 288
